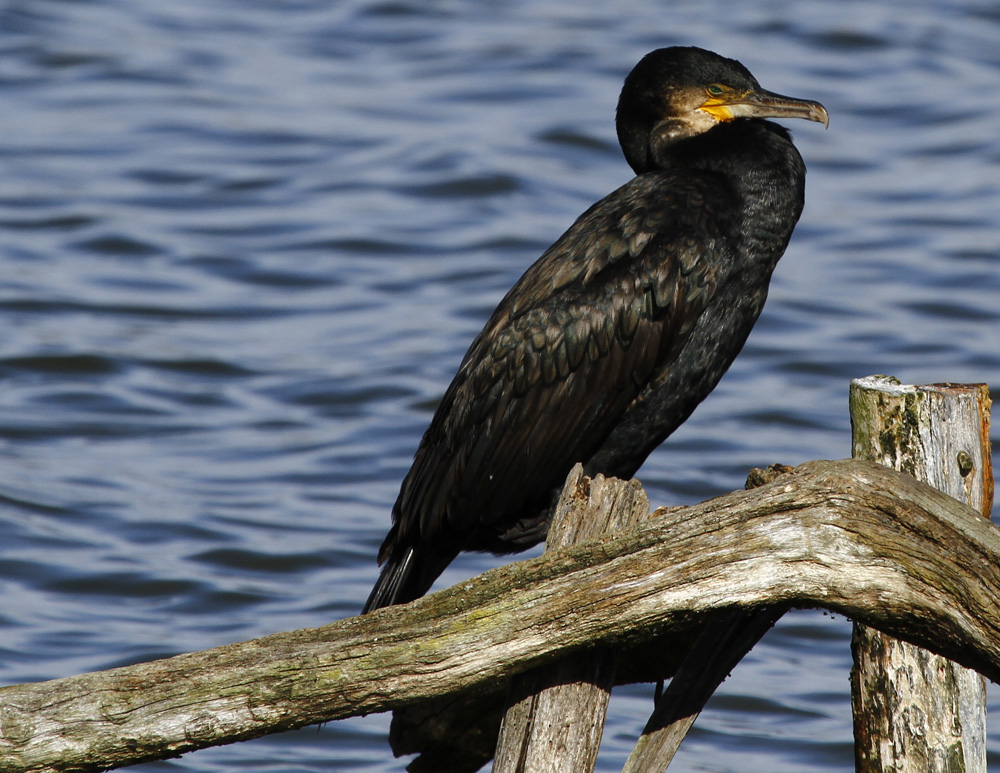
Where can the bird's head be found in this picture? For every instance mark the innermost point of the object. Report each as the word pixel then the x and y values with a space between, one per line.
pixel 680 92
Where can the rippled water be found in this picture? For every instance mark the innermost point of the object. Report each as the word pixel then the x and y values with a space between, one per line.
pixel 244 246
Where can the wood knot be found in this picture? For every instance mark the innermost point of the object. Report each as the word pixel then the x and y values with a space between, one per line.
pixel 760 477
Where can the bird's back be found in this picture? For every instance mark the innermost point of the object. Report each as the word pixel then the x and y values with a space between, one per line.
pixel 610 340
pixel 562 362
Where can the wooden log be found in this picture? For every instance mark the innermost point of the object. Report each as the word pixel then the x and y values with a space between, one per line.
pixel 555 715
pixel 913 710
pixel 726 639
pixel 850 536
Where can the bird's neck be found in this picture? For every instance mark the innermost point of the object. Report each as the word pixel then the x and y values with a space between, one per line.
pixel 758 161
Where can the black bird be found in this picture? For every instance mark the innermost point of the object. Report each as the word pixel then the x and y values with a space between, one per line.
pixel 609 341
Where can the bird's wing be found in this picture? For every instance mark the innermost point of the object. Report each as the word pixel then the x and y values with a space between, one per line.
pixel 564 354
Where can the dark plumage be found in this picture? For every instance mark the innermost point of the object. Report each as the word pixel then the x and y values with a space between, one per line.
pixel 609 341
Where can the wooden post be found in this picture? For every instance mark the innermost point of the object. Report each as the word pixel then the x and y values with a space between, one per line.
pixel 555 715
pixel 914 711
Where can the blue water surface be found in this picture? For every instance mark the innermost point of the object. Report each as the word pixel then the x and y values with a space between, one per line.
pixel 244 246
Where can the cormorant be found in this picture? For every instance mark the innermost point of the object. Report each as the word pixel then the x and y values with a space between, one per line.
pixel 609 341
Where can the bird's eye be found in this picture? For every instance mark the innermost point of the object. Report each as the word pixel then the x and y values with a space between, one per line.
pixel 715 90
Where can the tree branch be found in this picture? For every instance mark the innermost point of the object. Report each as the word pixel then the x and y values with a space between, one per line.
pixel 850 536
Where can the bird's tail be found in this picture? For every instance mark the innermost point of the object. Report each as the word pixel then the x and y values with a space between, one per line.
pixel 408 574
pixel 393 582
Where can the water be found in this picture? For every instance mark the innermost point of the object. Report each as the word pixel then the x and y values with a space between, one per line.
pixel 244 246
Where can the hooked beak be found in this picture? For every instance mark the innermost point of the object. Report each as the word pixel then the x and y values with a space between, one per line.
pixel 764 104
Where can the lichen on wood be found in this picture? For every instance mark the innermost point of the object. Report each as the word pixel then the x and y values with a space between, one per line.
pixel 914 710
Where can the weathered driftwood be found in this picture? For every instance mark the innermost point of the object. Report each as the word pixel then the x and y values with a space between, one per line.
pixel 723 643
pixel 913 710
pixel 554 717
pixel 727 638
pixel 849 536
